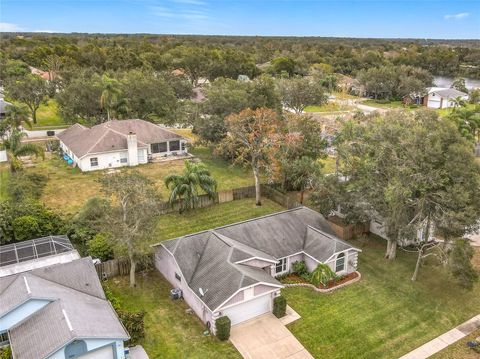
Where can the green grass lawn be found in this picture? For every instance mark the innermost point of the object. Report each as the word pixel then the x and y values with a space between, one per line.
pixel 384 315
pixel 328 107
pixel 169 331
pixel 69 188
pixel 4 175
pixel 174 225
pixel 387 105
pixel 459 350
pixel 447 111
pixel 47 115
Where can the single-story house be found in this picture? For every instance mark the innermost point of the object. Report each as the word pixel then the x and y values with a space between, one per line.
pixel 4 107
pixel 52 304
pixel 231 270
pixel 442 97
pixel 119 143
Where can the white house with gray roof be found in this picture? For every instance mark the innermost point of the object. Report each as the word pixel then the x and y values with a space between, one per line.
pixel 231 270
pixel 119 143
pixel 441 97
pixel 52 304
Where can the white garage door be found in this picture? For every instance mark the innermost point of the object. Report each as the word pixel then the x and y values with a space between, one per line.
pixel 244 311
pixel 103 353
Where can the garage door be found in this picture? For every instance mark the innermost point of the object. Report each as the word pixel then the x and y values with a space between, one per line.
pixel 102 353
pixel 244 311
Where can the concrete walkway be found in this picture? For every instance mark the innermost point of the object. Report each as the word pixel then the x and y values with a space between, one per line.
pixel 265 337
pixel 444 340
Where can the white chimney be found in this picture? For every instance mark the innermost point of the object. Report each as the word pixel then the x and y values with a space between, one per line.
pixel 132 149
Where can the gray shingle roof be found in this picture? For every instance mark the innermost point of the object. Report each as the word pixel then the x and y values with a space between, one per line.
pixel 112 136
pixel 447 92
pixel 280 235
pixel 208 259
pixel 74 291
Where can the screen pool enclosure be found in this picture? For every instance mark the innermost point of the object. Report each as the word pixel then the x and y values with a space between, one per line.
pixel 33 249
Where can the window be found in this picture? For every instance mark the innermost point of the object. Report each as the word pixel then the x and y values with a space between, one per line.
pixel 123 160
pixel 177 277
pixel 340 263
pixel 94 161
pixel 174 145
pixel 281 266
pixel 159 147
pixel 141 156
pixel 4 339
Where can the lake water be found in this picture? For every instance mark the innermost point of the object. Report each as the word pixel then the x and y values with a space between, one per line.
pixel 444 81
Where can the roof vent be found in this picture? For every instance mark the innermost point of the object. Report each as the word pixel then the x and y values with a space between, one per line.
pixel 202 292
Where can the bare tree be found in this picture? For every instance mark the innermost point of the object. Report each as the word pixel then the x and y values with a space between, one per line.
pixel 131 214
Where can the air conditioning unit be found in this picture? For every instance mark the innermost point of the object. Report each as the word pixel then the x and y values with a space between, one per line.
pixel 176 293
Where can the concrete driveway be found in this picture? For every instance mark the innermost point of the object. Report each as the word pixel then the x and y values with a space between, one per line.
pixel 265 337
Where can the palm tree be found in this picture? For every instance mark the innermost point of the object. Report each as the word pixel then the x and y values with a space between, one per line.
pixel 15 149
pixel 18 115
pixel 185 187
pixel 111 99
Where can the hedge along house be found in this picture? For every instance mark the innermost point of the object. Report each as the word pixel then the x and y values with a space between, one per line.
pixel 231 270
pixel 119 143
pixel 52 304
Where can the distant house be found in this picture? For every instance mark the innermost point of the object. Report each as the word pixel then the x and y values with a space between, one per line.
pixel 119 143
pixel 52 304
pixel 230 271
pixel 243 78
pixel 4 107
pixel 441 97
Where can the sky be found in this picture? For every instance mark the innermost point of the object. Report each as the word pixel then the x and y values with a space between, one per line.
pixel 439 19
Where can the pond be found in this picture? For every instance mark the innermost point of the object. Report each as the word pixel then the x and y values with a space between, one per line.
pixel 445 81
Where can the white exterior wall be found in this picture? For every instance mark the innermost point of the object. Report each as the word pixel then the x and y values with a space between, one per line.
pixel 351 260
pixel 110 160
pixel 92 344
pixel 433 101
pixel 3 156
pixel 311 263
pixel 165 264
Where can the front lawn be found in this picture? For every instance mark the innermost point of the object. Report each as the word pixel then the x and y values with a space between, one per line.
pixel 328 107
pixel 69 188
pixel 170 332
pixel 384 315
pixel 387 104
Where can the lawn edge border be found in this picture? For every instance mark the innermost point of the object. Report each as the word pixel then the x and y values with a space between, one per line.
pixel 325 290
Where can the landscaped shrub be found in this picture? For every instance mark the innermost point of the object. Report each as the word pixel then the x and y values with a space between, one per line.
pixel 6 353
pixel 223 325
pixel 300 268
pixel 99 247
pixel 279 306
pixel 26 227
pixel 322 274
pixel 134 323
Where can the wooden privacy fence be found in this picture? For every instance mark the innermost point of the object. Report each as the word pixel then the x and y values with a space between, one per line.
pixel 221 197
pixel 121 266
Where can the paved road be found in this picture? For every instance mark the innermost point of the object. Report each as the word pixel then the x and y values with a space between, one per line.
pixel 42 133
